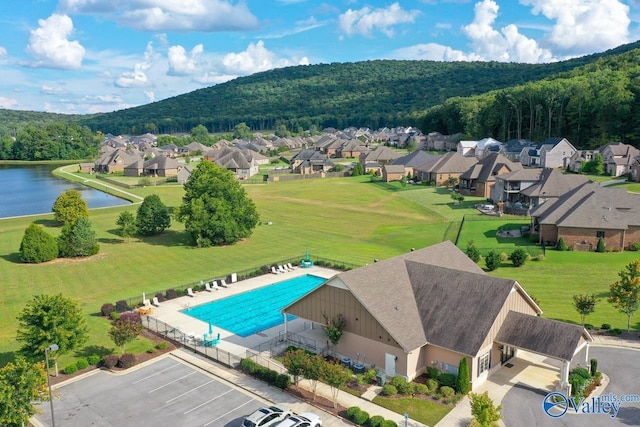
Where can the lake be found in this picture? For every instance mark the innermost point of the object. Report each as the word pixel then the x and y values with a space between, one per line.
pixel 32 189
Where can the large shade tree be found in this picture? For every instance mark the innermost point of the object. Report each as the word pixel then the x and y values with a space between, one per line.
pixel 69 206
pixel 47 320
pixel 153 216
pixel 78 239
pixel 22 383
pixel 215 208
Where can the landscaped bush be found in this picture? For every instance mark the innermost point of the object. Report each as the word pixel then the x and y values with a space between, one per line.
pixel 583 372
pixel 635 246
pixel 127 361
pixel 107 309
pixel 433 372
pixel 171 294
pixel 369 376
pixel 447 391
pixel 588 326
pixel 593 364
pixel 265 269
pixel 357 415
pixel 115 315
pixel 389 423
pixel 403 387
pixel 376 421
pixel 160 297
pixel 432 384
pixel 519 257
pixel 605 326
pixel 389 390
pixel 161 345
pixel 352 411
pixel 601 247
pixel 110 361
pixel 82 363
pixel 616 331
pixel 421 389
pixel 121 306
pixel 152 350
pixel 492 260
pixel 93 359
pixel 283 381
pixel 562 246
pixel 538 257
pixel 70 369
pixel 447 379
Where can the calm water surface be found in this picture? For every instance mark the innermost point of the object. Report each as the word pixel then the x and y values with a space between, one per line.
pixel 32 189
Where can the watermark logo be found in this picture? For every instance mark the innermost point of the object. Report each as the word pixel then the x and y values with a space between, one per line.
pixel 556 404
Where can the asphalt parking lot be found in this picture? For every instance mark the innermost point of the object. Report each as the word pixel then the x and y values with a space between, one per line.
pixel 167 392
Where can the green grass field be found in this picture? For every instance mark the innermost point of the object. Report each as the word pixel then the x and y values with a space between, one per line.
pixel 348 219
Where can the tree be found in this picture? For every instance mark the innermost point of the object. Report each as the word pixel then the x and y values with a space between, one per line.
pixel 241 130
pixel 584 305
pixel 493 260
pixel 125 330
pixel 473 252
pixel 484 411
pixel 412 146
pixel 601 247
pixel 21 384
pixel 623 294
pixel 358 169
pixel 336 376
pixel 153 216
pixel 295 361
pixel 69 206
pixel 451 181
pixel 312 371
pixel 78 239
pixel 562 245
pixel 215 208
pixel 334 327
pixel 200 134
pixel 127 223
pixel 37 245
pixel 519 257
pixel 47 320
pixel 463 380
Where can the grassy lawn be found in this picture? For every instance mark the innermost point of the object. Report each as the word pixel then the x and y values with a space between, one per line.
pixel 422 410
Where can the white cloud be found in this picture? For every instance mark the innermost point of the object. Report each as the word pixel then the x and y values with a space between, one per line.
pixel 8 103
pixel 584 26
pixel 182 63
pixel 52 90
pixel 3 52
pixel 434 52
pixel 169 15
pixel 151 96
pixel 138 77
pixel 256 58
pixel 505 45
pixel 50 46
pixel 214 78
pixel 300 27
pixel 364 21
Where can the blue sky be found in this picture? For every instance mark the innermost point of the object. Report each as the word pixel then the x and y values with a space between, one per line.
pixel 85 56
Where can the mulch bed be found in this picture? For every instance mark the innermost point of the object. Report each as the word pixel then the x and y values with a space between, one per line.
pixel 319 402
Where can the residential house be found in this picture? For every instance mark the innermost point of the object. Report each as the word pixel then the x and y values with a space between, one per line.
pixel 116 160
pixel 480 178
pixel 587 213
pixel 486 146
pixel 414 159
pixel 509 185
pixel 375 159
pixel 438 142
pixel 579 158
pixel 512 148
pixel 352 148
pixel 440 170
pixel 135 169
pixel 310 161
pixel 431 308
pixel 553 153
pixel 161 166
pixel 467 148
pixel 618 158
pixel 184 174
pixel 243 163
pixel 86 167
pixel 393 172
pixel 551 185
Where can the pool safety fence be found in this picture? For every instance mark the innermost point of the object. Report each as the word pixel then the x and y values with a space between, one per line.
pixel 180 290
pixel 266 361
pixel 277 345
pixel 193 343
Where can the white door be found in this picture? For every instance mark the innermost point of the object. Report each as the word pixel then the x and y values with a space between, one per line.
pixel 390 365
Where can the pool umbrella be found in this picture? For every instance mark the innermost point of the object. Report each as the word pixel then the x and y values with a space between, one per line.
pixel 306 256
pixel 210 328
pixel 144 297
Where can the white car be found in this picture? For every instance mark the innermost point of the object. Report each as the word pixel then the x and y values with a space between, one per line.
pixel 306 419
pixel 267 416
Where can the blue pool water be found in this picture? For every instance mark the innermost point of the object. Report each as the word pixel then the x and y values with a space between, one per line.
pixel 254 311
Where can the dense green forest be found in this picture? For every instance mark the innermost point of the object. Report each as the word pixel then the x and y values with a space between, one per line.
pixel 55 141
pixel 590 105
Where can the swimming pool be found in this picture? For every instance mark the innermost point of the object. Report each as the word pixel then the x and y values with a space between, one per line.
pixel 254 311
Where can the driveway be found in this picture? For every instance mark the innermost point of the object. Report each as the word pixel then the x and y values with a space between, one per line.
pixel 522 406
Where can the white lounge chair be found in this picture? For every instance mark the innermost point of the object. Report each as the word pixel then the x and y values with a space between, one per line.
pixel 234 277
pixel 281 269
pixel 208 288
pixel 155 302
pixel 290 267
pixel 190 292
pixel 274 271
pixel 223 283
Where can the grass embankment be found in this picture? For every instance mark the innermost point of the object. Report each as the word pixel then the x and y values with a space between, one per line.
pixel 424 411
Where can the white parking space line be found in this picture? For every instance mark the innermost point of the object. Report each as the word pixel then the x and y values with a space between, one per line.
pixel 157 373
pixel 228 412
pixel 208 401
pixel 187 392
pixel 171 382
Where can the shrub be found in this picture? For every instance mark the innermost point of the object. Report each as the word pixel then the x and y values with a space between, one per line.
pixel 107 309
pixel 389 390
pixel 616 331
pixel 605 326
pixel 110 361
pixel 448 380
pixel 588 326
pixel 115 315
pixel 376 421
pixel 473 252
pixel 160 297
pixel 635 246
pixel 93 359
pixel 601 247
pixel 432 384
pixel 492 260
pixel 37 245
pixel 583 372
pixel 369 376
pixel 389 423
pixel 352 411
pixel 127 361
pixel 504 257
pixel 70 369
pixel 283 381
pixel 161 345
pixel 82 363
pixel 171 294
pixel 269 375
pixel 593 364
pixel 447 391
pixel 562 246
pixel 421 389
pixel 401 385
pixel 463 381
pixel 265 269
pixel 152 350
pixel 361 418
pixel 518 257
pixel 121 306
pixel 538 257
pixel 433 372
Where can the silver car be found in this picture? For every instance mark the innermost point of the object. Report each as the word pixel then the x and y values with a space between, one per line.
pixel 267 416
pixel 306 419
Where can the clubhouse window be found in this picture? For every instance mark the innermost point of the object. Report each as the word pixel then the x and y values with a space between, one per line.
pixel 600 234
pixel 484 362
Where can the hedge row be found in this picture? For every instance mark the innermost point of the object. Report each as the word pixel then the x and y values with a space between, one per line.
pixel 270 376
pixel 81 364
pixel 361 418
pixel 125 361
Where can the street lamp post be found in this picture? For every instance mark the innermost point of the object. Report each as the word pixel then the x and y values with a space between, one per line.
pixel 52 347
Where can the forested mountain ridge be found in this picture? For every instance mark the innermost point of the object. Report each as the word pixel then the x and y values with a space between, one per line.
pixel 372 94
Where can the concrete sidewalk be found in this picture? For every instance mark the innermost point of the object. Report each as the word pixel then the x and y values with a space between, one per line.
pixel 273 394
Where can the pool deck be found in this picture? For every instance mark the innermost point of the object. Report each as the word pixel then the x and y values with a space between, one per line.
pixel 170 312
